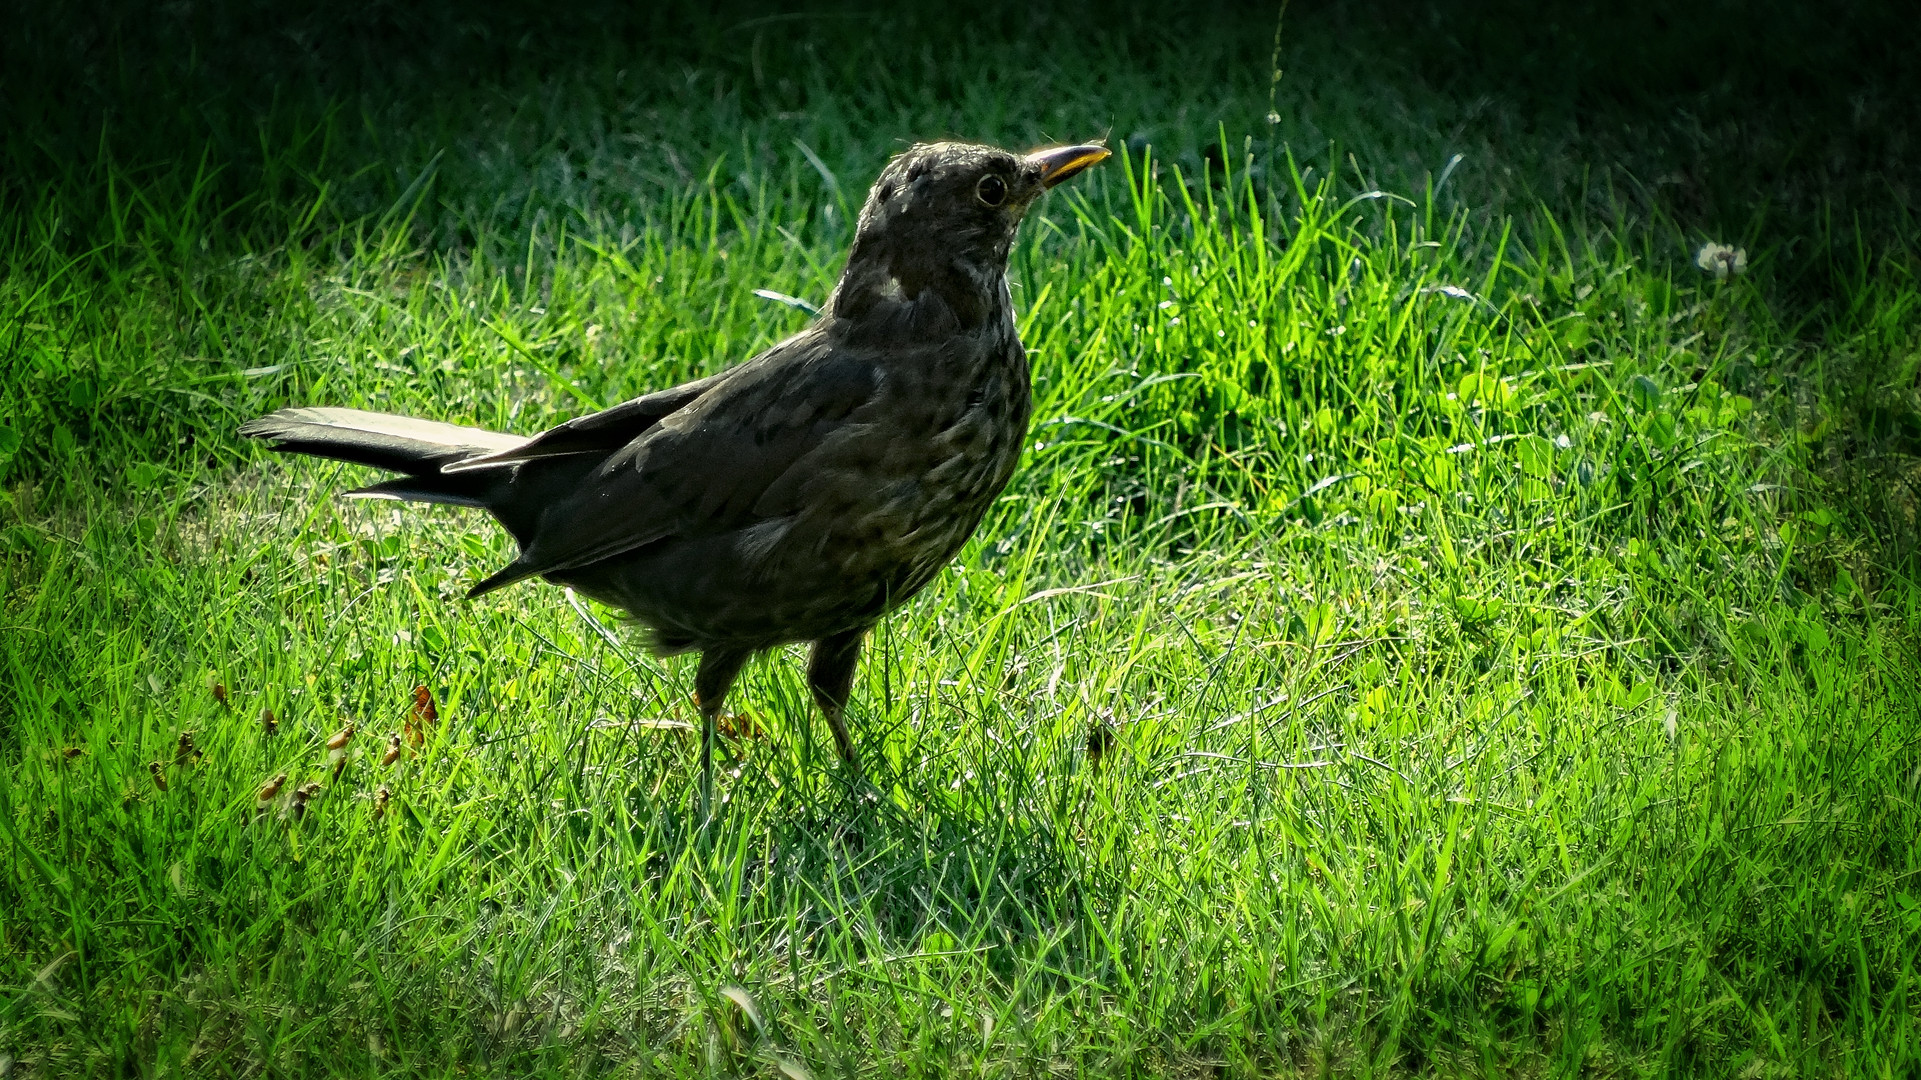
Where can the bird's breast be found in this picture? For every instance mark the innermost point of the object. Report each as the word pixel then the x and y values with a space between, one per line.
pixel 951 441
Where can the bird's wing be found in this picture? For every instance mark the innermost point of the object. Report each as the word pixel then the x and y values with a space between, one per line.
pixel 602 432
pixel 702 468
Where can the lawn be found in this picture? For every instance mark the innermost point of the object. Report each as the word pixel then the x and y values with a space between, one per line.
pixel 1437 627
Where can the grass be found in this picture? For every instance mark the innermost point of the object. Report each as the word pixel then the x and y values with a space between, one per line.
pixel 1436 629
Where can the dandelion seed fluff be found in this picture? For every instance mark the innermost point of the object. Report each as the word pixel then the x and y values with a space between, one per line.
pixel 1721 260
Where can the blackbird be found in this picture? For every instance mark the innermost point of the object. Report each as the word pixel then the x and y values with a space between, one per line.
pixel 799 496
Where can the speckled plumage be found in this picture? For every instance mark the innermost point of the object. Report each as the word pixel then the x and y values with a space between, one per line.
pixel 799 496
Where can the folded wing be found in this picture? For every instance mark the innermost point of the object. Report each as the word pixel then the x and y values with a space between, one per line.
pixel 602 432
pixel 700 469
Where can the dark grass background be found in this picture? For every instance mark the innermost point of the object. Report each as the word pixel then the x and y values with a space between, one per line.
pixel 1711 112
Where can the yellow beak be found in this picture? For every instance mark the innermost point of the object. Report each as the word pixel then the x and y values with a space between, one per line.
pixel 1058 163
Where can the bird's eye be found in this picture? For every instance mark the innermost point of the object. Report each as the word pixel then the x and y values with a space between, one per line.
pixel 992 190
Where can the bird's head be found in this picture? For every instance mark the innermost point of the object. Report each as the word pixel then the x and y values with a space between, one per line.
pixel 943 216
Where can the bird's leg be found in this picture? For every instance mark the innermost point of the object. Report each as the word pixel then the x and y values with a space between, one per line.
pixel 718 668
pixel 830 674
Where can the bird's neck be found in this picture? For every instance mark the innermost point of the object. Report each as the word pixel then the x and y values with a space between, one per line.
pixel 945 294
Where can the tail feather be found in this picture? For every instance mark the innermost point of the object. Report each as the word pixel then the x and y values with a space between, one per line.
pixel 518 570
pixel 396 443
pixel 421 450
pixel 449 491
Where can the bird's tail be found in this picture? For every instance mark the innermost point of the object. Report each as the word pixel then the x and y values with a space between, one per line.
pixel 418 449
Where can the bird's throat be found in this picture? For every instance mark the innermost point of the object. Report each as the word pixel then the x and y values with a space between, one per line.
pixel 904 298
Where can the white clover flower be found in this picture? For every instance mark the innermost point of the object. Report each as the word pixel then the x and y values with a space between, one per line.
pixel 1721 260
